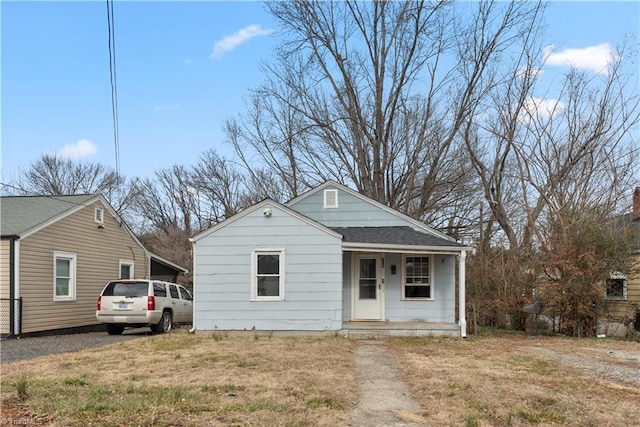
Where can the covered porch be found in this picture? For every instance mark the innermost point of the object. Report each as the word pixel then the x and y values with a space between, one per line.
pixel 401 282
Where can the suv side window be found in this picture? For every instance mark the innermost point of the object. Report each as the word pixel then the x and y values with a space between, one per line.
pixel 174 291
pixel 159 290
pixel 184 294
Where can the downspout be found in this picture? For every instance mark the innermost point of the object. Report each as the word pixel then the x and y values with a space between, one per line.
pixel 461 294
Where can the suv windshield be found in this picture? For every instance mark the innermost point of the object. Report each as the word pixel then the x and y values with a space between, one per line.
pixel 126 289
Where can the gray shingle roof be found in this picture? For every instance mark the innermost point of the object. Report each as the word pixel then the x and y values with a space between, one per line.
pixel 19 214
pixel 406 236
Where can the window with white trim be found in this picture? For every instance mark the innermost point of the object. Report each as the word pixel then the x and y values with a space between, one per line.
pixel 616 286
pixel 98 215
pixel 64 276
pixel 417 277
pixel 331 198
pixel 267 274
pixel 126 269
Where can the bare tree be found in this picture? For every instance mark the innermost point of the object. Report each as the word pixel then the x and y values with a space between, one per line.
pixel 375 94
pixel 551 169
pixel 220 188
pixel 54 175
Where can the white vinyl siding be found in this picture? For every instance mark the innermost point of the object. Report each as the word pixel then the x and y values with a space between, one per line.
pixel 64 281
pixel 312 275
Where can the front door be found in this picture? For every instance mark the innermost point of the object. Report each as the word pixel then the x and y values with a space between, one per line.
pixel 367 293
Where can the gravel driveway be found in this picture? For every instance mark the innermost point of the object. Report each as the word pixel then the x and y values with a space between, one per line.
pixel 616 365
pixel 13 350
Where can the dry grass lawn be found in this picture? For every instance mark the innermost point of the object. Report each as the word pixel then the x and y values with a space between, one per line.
pixel 213 379
pixel 503 381
pixel 184 380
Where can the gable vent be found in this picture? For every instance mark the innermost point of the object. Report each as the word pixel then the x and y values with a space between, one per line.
pixel 331 198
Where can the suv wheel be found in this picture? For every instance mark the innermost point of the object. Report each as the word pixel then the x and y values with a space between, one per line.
pixel 113 329
pixel 164 325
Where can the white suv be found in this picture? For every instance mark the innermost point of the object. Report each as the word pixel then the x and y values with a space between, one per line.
pixel 142 302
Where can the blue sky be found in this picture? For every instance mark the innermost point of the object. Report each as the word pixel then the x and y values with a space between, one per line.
pixel 182 69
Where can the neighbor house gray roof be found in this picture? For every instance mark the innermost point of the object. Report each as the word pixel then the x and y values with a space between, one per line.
pixel 19 214
pixel 405 236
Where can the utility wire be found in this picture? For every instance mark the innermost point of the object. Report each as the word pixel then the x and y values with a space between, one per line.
pixel 114 84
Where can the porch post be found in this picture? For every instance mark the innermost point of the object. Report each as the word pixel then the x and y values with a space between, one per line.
pixel 461 295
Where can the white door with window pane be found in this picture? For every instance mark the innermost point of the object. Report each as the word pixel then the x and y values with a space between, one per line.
pixel 367 290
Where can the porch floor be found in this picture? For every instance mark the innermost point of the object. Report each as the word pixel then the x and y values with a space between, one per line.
pixel 373 329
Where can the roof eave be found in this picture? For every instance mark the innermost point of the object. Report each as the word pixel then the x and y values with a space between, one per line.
pixel 382 247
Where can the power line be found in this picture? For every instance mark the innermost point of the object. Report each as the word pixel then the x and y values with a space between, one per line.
pixel 114 84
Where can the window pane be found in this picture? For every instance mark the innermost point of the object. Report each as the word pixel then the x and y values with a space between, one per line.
pixel 417 278
pixel 159 290
pixel 62 267
pixel 173 290
pixel 134 289
pixel 268 264
pixel 367 289
pixel 367 268
pixel 417 292
pixel 125 271
pixel 615 288
pixel 184 294
pixel 269 286
pixel 62 287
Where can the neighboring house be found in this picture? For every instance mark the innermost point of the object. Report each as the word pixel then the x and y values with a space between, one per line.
pixel 56 255
pixel 329 260
pixel 622 291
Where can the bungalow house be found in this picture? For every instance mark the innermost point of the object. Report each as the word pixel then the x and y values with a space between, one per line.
pixel 329 260
pixel 56 255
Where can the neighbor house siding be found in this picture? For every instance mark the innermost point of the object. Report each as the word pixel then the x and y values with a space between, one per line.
pixel 313 275
pixel 620 310
pixel 98 252
pixel 5 272
pixel 351 211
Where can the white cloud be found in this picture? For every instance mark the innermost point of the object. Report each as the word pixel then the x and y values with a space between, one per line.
pixel 79 149
pixel 230 42
pixel 540 108
pixel 593 58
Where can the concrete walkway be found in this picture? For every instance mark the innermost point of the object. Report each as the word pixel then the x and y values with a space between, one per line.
pixel 384 398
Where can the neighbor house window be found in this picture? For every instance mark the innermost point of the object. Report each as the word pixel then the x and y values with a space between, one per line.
pixel 417 278
pixel 267 274
pixel 64 276
pixel 331 198
pixel 616 286
pixel 98 215
pixel 126 269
